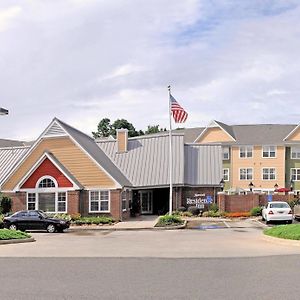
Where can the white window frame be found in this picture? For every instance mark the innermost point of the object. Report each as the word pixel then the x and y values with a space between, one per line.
pixel 269 151
pixel 41 191
pixel 246 151
pixel 291 174
pixel 228 176
pixel 124 200
pixel 269 173
pixel 99 206
pixel 246 174
pixel 35 201
pixel 296 150
pixel 225 150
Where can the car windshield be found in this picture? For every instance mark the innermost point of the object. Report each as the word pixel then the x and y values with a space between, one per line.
pixel 279 205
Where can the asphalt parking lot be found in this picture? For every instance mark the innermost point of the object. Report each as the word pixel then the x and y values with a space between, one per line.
pixel 241 238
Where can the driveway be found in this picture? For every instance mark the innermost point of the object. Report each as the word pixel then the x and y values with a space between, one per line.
pixel 237 239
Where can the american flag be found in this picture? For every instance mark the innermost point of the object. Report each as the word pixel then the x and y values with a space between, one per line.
pixel 179 114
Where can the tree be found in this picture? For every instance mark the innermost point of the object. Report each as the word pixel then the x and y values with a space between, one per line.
pixel 104 129
pixel 123 124
pixel 154 129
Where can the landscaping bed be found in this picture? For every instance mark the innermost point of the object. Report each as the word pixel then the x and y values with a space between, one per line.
pixel 289 232
pixel 169 221
pixel 6 234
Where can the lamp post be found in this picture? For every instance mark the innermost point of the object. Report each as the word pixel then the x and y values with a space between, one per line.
pixel 222 184
pixel 292 185
pixel 251 185
pixel 3 111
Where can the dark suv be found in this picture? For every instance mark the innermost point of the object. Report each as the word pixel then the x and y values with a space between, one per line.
pixel 34 220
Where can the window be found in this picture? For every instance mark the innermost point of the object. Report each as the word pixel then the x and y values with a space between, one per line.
pixel 47 202
pixel 124 200
pixel 31 201
pixel 61 202
pixel 246 151
pixel 226 155
pixel 268 173
pixel 246 174
pixel 295 152
pixel 226 174
pixel 269 151
pixel 46 183
pixel 295 174
pixel 99 201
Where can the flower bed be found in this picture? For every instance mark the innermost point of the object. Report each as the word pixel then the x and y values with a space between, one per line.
pixel 237 215
pixel 6 234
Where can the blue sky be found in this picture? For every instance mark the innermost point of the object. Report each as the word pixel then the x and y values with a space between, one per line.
pixel 83 60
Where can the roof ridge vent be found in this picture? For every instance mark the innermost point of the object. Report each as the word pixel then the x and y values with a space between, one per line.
pixel 55 130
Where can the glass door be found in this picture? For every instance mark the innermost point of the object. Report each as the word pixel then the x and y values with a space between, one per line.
pixel 146 202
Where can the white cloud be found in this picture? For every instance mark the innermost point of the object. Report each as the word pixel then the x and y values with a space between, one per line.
pixel 7 15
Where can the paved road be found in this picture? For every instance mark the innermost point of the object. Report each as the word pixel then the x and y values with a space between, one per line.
pixel 242 239
pixel 150 278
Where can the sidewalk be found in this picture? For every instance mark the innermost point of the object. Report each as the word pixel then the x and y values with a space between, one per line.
pixel 138 223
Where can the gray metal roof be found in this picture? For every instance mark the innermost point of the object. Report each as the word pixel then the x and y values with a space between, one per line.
pixel 9 157
pixel 203 165
pixel 90 146
pixel 11 143
pixel 146 163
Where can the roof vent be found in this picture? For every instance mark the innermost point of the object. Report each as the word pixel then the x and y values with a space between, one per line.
pixel 54 130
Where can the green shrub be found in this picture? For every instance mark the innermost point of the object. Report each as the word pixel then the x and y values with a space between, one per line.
pixel 256 211
pixel 5 204
pixel 6 234
pixel 214 207
pixel 187 214
pixel 61 216
pixel 194 210
pixel 168 220
pixel 94 220
pixel 211 213
pixel 75 216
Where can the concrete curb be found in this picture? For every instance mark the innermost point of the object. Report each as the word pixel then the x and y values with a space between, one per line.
pixel 17 241
pixel 127 229
pixel 280 241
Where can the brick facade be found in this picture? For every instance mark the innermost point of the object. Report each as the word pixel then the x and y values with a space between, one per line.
pixel 73 202
pixel 18 200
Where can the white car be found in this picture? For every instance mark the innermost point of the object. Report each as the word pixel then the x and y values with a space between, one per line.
pixel 277 211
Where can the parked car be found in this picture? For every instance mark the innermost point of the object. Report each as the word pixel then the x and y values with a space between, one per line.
pixel 297 212
pixel 34 220
pixel 277 211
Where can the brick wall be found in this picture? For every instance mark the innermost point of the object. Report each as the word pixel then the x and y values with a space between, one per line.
pixel 244 203
pixel 73 202
pixel 18 200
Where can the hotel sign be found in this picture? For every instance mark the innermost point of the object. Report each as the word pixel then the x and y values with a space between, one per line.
pixel 199 200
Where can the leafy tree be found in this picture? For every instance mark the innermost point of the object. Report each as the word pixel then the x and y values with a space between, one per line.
pixel 122 123
pixel 104 129
pixel 154 129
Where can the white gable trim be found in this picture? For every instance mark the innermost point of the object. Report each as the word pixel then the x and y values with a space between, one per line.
pixel 213 124
pixel 36 165
pixel 292 132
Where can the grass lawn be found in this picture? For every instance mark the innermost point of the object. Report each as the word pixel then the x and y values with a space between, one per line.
pixel 6 234
pixel 290 232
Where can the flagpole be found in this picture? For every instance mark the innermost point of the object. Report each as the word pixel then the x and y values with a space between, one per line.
pixel 170 155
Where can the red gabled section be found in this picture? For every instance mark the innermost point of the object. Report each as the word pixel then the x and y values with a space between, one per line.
pixel 47 168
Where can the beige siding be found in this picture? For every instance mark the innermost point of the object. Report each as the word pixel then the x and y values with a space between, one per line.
pixel 257 162
pixel 71 156
pixel 214 135
pixel 295 136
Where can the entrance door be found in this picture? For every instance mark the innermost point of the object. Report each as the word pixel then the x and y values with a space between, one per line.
pixel 146 202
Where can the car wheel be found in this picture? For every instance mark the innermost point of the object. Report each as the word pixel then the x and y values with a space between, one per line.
pixel 51 228
pixel 13 227
pixel 262 217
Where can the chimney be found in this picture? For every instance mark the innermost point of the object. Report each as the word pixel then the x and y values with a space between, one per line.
pixel 122 140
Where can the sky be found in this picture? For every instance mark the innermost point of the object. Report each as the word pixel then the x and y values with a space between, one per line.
pixel 233 61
